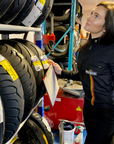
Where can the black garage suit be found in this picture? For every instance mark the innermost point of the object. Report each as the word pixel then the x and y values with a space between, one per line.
pixel 96 72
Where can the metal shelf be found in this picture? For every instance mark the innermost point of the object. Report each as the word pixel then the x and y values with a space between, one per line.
pixel 10 28
pixel 62 4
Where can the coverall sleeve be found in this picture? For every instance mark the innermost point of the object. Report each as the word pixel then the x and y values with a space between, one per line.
pixel 111 64
pixel 70 75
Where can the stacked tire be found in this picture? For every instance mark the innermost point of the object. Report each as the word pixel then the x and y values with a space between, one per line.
pixel 62 49
pixel 62 23
pixel 24 12
pixel 12 97
pixel 2 122
pixel 22 69
pixel 64 13
pixel 36 130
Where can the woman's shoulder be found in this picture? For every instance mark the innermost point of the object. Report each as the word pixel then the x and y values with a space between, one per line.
pixel 111 46
pixel 109 50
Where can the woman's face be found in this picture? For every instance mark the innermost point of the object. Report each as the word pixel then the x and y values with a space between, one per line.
pixel 95 22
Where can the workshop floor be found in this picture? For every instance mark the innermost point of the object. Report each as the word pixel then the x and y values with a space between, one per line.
pixel 56 136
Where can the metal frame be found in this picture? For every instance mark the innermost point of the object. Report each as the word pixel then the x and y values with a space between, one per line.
pixel 39 43
pixel 8 28
pixel 71 29
pixel 72 24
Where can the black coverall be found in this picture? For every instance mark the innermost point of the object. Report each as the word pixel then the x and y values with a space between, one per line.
pixel 96 71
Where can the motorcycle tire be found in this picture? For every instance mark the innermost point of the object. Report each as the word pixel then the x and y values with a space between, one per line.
pixel 12 96
pixel 25 74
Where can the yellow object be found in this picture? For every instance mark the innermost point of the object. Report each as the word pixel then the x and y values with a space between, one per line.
pixel 7 66
pixel 13 140
pixel 45 138
pixel 79 9
pixel 78 108
pixel 42 2
pixel 45 62
pixel 37 63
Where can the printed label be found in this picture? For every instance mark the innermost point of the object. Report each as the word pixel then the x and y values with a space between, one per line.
pixel 58 99
pixel 36 62
pixel 40 4
pixel 44 60
pixel 90 72
pixel 32 17
pixel 7 66
pixel 1 111
pixel 43 2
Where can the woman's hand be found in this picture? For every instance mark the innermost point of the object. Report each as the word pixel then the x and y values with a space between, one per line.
pixel 56 67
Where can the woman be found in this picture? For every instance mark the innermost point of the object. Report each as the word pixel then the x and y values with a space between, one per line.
pixel 96 71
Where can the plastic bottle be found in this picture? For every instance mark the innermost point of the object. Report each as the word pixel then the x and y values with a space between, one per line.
pixel 79 137
pixel 76 141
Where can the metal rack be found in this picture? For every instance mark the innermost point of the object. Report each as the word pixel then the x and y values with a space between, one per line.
pixel 10 28
pixel 72 24
pixel 4 27
pixel 14 29
pixel 74 19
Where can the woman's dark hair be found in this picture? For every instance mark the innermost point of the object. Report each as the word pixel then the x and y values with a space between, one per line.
pixel 108 37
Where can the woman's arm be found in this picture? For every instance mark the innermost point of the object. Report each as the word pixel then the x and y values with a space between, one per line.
pixel 70 75
pixel 64 73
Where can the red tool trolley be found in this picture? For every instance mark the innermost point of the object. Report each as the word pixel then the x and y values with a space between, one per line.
pixel 67 106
